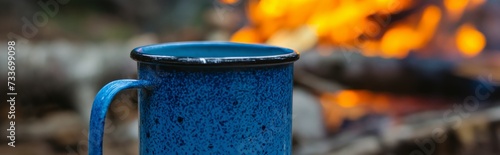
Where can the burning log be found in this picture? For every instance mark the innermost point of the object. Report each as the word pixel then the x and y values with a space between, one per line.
pixel 430 77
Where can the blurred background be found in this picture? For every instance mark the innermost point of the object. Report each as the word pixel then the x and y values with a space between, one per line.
pixel 376 77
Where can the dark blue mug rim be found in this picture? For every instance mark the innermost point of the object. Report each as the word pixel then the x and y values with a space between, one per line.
pixel 210 53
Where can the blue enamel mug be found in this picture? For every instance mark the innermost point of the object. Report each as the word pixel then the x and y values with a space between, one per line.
pixel 207 98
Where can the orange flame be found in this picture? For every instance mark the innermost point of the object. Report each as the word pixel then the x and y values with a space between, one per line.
pixel 469 40
pixel 398 41
pixel 304 24
pixel 338 22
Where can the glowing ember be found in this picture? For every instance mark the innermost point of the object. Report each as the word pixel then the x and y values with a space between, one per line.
pixel 469 40
pixel 351 105
pixel 347 99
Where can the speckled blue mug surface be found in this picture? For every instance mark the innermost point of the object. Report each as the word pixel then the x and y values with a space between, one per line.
pixel 207 98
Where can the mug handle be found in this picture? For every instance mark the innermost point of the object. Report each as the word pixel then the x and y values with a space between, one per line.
pixel 100 108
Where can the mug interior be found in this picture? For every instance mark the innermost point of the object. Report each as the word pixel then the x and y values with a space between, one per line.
pixel 213 50
pixel 213 53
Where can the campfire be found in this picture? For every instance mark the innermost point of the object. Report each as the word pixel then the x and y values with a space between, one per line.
pixel 379 57
pixel 386 28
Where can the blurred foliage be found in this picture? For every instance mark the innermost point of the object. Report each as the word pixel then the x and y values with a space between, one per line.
pixel 97 20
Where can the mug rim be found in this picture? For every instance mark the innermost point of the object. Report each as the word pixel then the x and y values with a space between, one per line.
pixel 257 54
